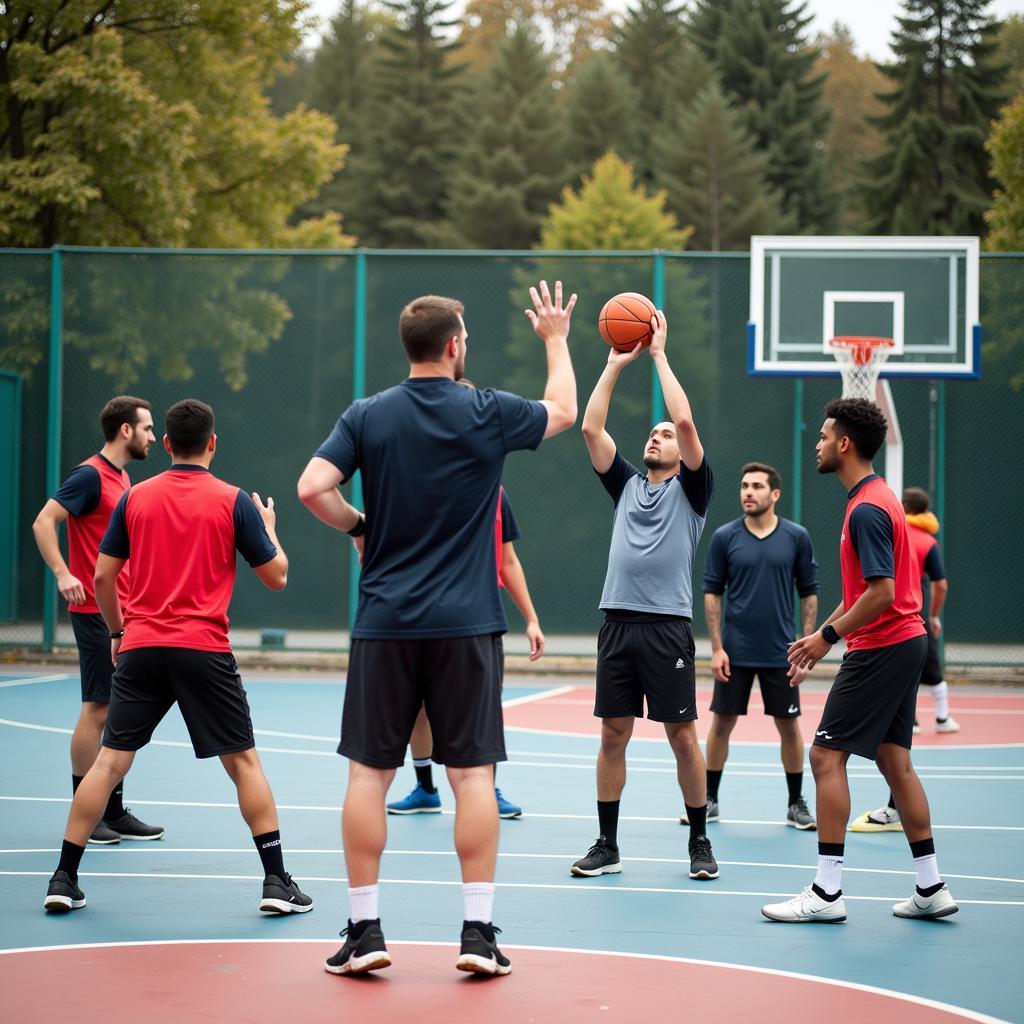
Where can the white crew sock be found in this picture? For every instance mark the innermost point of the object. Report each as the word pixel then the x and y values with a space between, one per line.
pixel 364 903
pixel 927 869
pixel 421 762
pixel 940 694
pixel 478 898
pixel 830 874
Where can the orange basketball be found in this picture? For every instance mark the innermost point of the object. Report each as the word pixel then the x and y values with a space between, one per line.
pixel 626 319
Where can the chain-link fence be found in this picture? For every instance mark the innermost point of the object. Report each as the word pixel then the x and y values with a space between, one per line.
pixel 279 343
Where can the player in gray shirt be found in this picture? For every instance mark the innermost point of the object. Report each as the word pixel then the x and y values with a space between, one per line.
pixel 645 648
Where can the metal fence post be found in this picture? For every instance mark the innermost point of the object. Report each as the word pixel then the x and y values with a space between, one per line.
pixel 798 449
pixel 358 391
pixel 658 296
pixel 940 476
pixel 53 426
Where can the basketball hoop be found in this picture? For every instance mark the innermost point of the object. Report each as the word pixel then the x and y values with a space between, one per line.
pixel 860 361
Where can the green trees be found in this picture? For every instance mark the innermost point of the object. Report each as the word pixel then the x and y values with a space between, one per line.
pixel 1006 145
pixel 765 63
pixel 600 113
pixel 932 176
pixel 144 124
pixel 513 164
pixel 715 177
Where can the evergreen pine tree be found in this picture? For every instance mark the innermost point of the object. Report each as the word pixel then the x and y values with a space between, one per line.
pixel 400 170
pixel 765 63
pixel 513 161
pixel 600 113
pixel 933 175
pixel 715 176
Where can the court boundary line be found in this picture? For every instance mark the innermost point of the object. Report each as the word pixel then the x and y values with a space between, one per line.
pixel 580 887
pixel 29 680
pixel 909 997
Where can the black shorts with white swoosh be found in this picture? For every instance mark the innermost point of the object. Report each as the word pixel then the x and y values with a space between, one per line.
pixel 650 657
pixel 873 699
pixel 780 699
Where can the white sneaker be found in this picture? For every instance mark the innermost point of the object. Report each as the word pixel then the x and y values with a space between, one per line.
pixel 939 904
pixel 947 724
pixel 885 819
pixel 917 727
pixel 808 906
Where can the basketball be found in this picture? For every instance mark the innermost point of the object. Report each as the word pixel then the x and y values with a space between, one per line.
pixel 626 319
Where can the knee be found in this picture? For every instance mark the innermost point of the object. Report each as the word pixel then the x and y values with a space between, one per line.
pixel 824 760
pixel 95 713
pixel 613 741
pixel 722 726
pixel 240 764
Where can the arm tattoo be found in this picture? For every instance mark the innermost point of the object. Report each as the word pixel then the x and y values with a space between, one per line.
pixel 808 612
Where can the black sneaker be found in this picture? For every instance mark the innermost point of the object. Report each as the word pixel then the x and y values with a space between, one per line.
pixel 479 953
pixel 799 816
pixel 63 895
pixel 364 950
pixel 601 859
pixel 702 861
pixel 283 896
pixel 102 835
pixel 129 827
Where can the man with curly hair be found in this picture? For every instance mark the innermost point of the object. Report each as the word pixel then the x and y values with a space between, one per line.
pixel 870 708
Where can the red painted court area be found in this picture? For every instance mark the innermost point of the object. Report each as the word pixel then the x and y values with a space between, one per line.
pixel 985 718
pixel 205 983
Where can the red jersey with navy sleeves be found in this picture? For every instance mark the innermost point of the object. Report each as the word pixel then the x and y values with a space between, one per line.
pixel 181 530
pixel 90 493
pixel 874 544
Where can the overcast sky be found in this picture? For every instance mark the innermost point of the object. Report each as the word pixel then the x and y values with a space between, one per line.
pixel 871 21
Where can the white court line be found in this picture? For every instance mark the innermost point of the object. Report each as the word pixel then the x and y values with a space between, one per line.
pixel 336 809
pixel 29 680
pixel 154 848
pixel 532 698
pixel 837 982
pixel 581 887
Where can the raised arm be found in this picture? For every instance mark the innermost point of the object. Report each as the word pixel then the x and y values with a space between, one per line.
pixel 550 321
pixel 599 442
pixel 44 529
pixel 318 491
pixel 678 405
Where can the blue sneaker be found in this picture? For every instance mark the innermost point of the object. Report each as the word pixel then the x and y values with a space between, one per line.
pixel 506 809
pixel 419 801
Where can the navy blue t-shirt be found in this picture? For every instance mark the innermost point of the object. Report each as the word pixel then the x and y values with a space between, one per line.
pixel 431 454
pixel 509 527
pixel 759 573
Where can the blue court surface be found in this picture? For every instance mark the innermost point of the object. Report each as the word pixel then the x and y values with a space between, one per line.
pixel 202 880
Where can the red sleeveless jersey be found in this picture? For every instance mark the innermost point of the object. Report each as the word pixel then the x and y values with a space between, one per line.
pixel 921 543
pixel 182 533
pixel 902 619
pixel 86 531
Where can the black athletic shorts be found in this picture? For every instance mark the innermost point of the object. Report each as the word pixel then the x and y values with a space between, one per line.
pixel 873 699
pixel 457 679
pixel 206 685
pixel 780 699
pixel 94 663
pixel 646 657
pixel 932 674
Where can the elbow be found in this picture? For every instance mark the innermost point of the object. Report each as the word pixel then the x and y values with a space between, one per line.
pixel 281 582
pixel 567 415
pixel 306 491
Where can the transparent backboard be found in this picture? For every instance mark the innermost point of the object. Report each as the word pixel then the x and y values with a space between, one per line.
pixel 920 291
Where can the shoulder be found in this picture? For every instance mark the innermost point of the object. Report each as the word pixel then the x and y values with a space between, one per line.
pixel 793 529
pixel 727 530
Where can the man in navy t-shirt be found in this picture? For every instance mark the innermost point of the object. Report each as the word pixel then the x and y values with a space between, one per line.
pixel 429 622
pixel 757 559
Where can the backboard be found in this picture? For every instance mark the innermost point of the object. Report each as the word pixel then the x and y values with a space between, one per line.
pixel 920 291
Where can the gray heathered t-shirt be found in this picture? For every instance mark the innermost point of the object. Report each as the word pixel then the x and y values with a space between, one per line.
pixel 654 536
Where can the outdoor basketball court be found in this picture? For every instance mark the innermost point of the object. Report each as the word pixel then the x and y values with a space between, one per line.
pixel 171 931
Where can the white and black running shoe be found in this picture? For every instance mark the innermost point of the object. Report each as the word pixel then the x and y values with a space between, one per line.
pixel 703 865
pixel 479 952
pixel 283 896
pixel 364 950
pixel 63 895
pixel 601 859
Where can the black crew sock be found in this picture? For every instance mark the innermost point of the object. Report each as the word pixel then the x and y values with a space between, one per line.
pixel 714 780
pixel 892 800
pixel 922 847
pixel 268 846
pixel 70 858
pixel 76 781
pixel 115 806
pixel 931 890
pixel 795 783
pixel 828 897
pixel 608 820
pixel 425 777
pixel 698 818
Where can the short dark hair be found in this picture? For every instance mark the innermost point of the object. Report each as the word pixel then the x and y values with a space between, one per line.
pixel 915 500
pixel 426 324
pixel 774 476
pixel 122 409
pixel 861 421
pixel 189 425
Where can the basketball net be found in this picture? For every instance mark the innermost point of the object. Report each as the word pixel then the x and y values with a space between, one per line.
pixel 860 362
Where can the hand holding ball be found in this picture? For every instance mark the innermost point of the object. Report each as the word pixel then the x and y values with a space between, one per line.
pixel 626 320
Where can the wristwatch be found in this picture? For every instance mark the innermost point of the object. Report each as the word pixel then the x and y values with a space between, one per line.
pixel 830 635
pixel 117 635
pixel 360 528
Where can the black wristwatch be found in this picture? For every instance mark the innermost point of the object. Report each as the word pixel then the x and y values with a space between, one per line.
pixel 117 635
pixel 830 635
pixel 360 528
